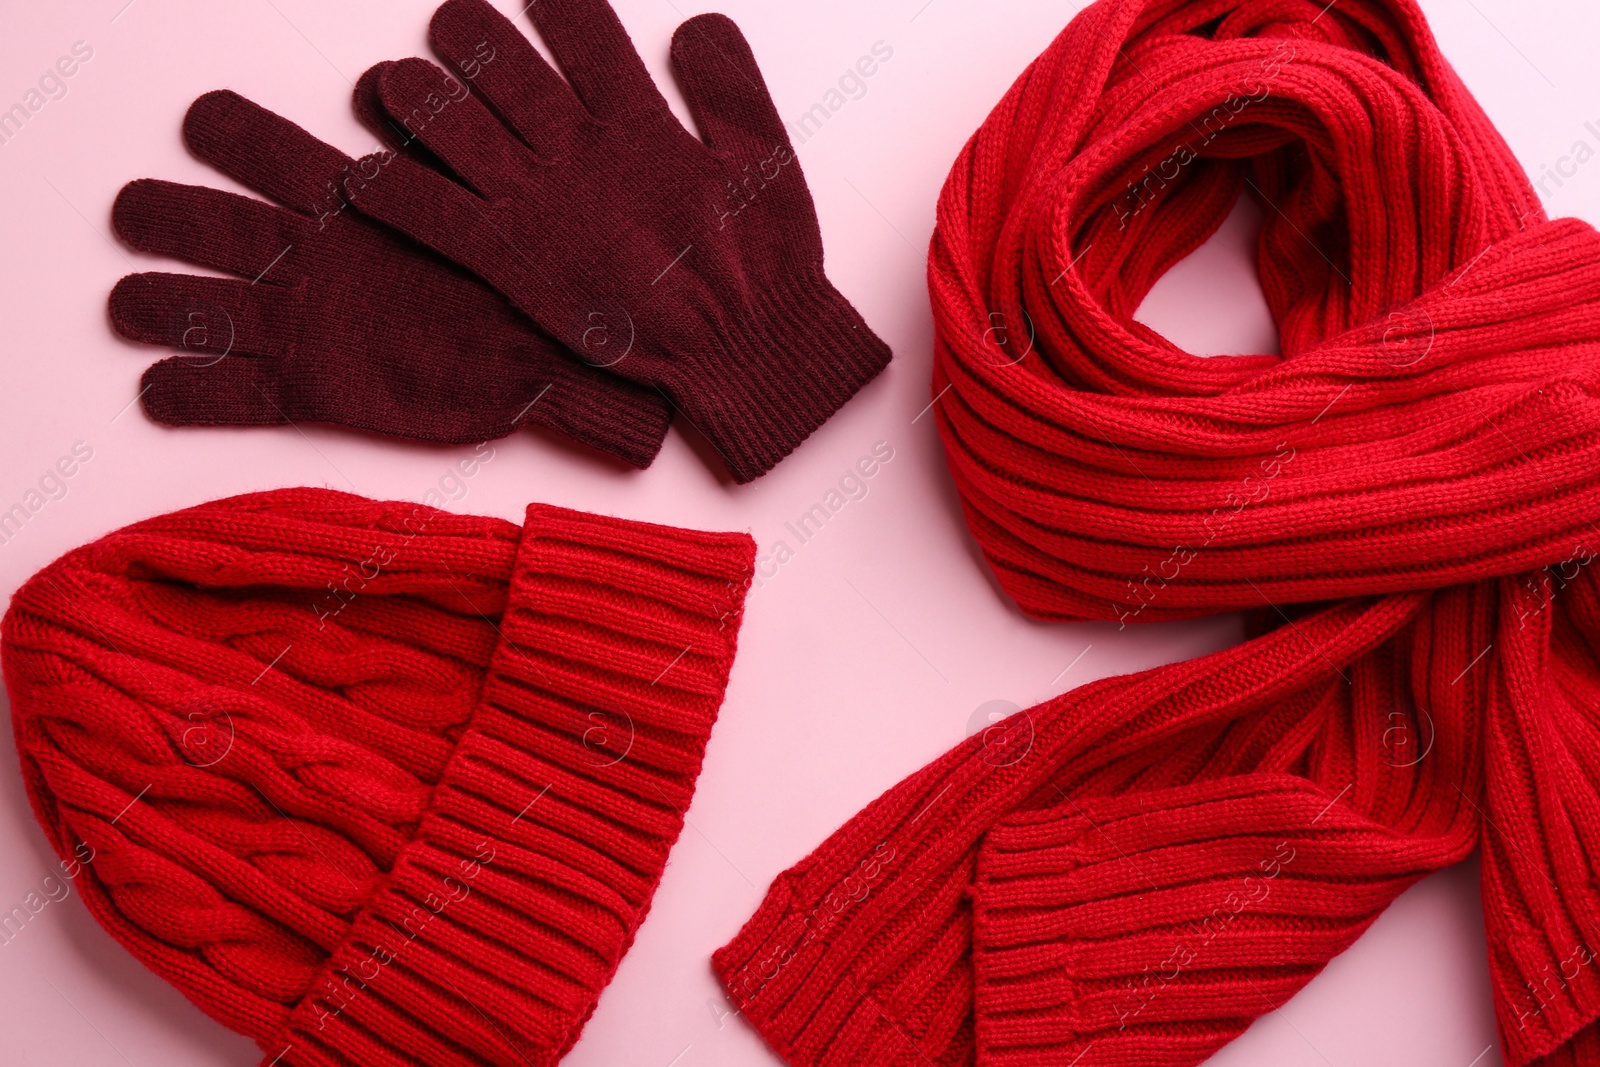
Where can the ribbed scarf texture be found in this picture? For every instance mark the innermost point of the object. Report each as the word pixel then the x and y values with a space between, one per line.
pixel 1405 502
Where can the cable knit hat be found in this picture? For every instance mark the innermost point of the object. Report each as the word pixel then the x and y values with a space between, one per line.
pixel 369 782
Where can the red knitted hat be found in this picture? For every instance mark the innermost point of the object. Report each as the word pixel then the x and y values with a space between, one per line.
pixel 369 782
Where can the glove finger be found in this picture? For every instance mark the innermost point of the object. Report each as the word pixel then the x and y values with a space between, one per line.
pixel 368 102
pixel 209 227
pixel 208 317
pixel 266 151
pixel 498 60
pixel 369 110
pixel 724 88
pixel 236 391
pixel 453 123
pixel 597 57
pixel 431 208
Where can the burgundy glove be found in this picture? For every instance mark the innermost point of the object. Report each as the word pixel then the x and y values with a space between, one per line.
pixel 692 267
pixel 342 320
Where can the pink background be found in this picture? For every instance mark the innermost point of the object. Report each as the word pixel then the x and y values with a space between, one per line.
pixel 862 657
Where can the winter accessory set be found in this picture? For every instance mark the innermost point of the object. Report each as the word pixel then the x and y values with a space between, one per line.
pixel 428 833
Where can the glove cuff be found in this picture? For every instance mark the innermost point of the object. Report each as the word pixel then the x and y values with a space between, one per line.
pixel 778 371
pixel 601 410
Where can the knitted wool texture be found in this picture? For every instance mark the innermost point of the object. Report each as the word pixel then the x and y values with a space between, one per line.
pixel 1132 872
pixel 371 783
pixel 334 318
pixel 693 267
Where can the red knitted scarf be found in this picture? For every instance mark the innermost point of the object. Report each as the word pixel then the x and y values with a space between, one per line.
pixel 1406 501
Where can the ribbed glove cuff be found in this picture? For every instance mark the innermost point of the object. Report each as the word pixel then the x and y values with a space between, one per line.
pixel 600 410
pixel 774 375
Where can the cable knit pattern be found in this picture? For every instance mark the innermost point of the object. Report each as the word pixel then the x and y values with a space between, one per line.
pixel 372 783
pixel 1405 503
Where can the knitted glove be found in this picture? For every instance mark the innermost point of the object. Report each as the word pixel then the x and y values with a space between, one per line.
pixel 341 320
pixel 692 267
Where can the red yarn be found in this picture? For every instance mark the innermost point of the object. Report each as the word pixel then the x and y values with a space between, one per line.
pixel 1406 501
pixel 373 784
